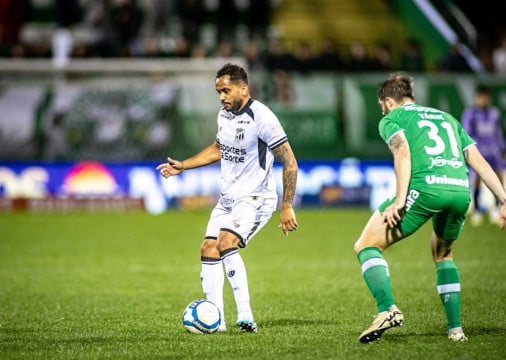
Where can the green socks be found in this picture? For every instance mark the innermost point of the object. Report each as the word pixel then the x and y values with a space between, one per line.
pixel 376 276
pixel 448 288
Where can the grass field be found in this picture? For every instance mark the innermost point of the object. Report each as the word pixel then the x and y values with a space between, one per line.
pixel 113 286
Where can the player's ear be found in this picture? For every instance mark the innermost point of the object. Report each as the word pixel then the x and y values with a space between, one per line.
pixel 245 90
pixel 390 103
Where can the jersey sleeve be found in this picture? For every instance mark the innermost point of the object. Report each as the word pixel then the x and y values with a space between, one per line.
pixel 270 130
pixel 388 127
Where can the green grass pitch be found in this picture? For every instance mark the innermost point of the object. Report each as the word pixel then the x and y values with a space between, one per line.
pixel 113 286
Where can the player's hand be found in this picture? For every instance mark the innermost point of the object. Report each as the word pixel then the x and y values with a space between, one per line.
pixel 288 222
pixel 170 168
pixel 502 219
pixel 393 214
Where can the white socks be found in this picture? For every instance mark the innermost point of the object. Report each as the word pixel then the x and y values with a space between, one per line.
pixel 212 278
pixel 212 283
pixel 236 274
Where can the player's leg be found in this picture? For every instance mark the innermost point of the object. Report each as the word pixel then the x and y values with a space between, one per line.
pixel 211 274
pixel 245 220
pixel 237 277
pixel 448 286
pixel 449 224
pixel 375 238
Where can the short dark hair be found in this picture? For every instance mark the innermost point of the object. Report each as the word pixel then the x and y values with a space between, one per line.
pixel 236 73
pixel 397 86
pixel 483 89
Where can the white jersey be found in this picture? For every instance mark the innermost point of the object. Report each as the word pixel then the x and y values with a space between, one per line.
pixel 245 140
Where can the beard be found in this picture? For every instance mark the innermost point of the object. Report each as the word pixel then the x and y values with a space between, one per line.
pixel 236 105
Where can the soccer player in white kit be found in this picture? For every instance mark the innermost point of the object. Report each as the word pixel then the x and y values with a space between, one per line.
pixel 249 138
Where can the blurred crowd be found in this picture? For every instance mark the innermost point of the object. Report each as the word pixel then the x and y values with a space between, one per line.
pixel 201 28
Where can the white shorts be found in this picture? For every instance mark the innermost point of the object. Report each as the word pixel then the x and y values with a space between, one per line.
pixel 243 218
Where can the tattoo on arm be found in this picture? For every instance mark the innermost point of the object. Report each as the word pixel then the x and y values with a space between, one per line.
pixel 285 156
pixel 397 142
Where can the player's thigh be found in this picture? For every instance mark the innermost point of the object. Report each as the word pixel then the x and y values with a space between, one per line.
pixel 217 218
pixel 416 214
pixel 247 217
pixel 377 233
pixel 448 224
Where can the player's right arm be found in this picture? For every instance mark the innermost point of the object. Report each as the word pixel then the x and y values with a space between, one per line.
pixel 174 167
pixel 399 147
pixel 284 154
pixel 489 177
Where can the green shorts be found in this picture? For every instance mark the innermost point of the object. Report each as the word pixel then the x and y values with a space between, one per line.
pixel 446 208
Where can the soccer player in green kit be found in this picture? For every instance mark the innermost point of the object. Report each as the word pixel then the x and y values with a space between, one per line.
pixel 430 151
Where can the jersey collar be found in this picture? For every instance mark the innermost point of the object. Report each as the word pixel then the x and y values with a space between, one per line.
pixel 245 108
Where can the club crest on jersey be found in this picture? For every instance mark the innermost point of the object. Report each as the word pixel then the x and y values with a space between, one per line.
pixel 239 134
pixel 231 273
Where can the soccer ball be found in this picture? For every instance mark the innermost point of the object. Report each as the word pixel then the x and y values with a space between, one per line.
pixel 201 317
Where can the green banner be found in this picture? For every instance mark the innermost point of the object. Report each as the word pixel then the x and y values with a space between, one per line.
pixel 312 134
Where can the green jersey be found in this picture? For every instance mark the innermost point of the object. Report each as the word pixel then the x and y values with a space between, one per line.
pixel 436 141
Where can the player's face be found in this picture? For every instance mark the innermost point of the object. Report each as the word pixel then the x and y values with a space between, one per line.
pixel 233 96
pixel 483 100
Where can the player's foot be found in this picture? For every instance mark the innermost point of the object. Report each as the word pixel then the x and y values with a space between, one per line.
pixel 383 321
pixel 457 334
pixel 247 326
pixel 476 219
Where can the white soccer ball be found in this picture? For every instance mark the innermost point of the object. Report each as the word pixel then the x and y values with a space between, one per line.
pixel 201 317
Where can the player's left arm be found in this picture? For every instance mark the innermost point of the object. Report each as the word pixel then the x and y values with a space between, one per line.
pixel 489 177
pixel 399 147
pixel 284 154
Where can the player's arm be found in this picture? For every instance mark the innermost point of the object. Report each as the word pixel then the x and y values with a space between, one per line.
pixel 399 147
pixel 207 156
pixel 489 177
pixel 285 156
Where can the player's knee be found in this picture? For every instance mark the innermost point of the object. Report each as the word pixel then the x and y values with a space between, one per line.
pixel 226 240
pixel 209 249
pixel 225 245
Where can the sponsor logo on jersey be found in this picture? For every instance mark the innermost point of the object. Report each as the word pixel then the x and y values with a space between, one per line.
pixel 227 202
pixel 227 115
pixel 439 161
pixel 419 108
pixel 410 200
pixel 232 153
pixel 445 180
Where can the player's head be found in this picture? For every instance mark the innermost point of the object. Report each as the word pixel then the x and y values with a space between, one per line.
pixel 483 96
pixel 395 90
pixel 232 87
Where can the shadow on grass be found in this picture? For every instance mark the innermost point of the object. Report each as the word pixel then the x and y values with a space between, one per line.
pixel 290 322
pixel 400 334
